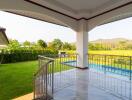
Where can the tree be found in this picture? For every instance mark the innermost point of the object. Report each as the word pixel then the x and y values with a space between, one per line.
pixel 26 44
pixel 129 46
pixel 42 43
pixel 67 46
pixel 34 45
pixel 56 44
pixel 91 46
pixel 121 45
pixel 73 46
pixel 97 46
pixel 14 45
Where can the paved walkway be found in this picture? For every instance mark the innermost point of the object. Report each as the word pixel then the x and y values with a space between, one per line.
pixel 25 97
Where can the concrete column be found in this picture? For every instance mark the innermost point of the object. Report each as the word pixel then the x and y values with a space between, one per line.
pixel 82 44
pixel 81 84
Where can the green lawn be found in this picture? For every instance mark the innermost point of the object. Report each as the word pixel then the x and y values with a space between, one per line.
pixel 106 52
pixel 16 79
pixel 112 52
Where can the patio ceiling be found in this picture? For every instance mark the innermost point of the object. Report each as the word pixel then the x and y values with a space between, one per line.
pixel 70 12
pixel 77 9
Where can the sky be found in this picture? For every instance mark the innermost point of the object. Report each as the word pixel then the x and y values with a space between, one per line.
pixel 23 28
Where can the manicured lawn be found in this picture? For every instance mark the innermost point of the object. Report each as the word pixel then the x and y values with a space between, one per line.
pixel 106 52
pixel 16 79
pixel 112 52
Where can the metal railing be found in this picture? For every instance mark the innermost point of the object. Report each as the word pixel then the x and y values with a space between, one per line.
pixel 112 73
pixel 64 71
pixel 58 73
pixel 115 64
pixel 53 74
pixel 43 79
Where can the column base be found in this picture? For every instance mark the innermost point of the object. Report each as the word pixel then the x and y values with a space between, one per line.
pixel 83 68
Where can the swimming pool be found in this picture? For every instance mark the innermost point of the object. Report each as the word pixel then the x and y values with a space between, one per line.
pixel 103 68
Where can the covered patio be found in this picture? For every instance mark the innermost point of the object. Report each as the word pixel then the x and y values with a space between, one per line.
pixel 81 16
pixel 78 84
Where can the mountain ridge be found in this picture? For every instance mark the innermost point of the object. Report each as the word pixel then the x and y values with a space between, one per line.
pixel 113 40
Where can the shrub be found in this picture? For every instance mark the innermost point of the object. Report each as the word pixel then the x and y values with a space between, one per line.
pixel 13 56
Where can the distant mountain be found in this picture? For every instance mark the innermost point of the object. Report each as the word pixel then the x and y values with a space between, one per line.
pixel 111 41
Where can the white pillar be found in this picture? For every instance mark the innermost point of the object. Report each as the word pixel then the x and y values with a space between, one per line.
pixel 82 44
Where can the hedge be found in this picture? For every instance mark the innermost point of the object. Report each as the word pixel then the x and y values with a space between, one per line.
pixel 24 55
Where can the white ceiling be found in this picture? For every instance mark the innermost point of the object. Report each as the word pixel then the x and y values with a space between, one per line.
pixel 81 8
pixel 82 4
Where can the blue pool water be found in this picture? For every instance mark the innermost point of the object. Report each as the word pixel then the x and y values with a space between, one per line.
pixel 103 68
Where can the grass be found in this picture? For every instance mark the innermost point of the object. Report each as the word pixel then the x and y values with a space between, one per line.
pixel 16 79
pixel 107 52
pixel 112 52
pixel 116 58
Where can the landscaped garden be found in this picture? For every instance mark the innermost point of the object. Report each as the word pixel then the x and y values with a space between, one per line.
pixel 19 63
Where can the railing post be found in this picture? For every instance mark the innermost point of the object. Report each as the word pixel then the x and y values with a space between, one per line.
pixel 105 72
pixel 76 59
pixel 88 59
pixel 60 61
pixel 130 67
pixel 105 65
pixel 130 79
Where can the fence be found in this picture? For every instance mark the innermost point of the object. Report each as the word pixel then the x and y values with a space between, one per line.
pixel 43 79
pixel 47 82
pixel 111 73
pixel 116 64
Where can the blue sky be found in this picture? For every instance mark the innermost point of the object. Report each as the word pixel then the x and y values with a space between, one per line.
pixel 23 28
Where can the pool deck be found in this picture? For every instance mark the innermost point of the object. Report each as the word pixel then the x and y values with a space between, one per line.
pixel 77 84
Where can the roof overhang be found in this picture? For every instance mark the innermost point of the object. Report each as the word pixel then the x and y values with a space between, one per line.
pixel 3 37
pixel 70 12
pixel 81 9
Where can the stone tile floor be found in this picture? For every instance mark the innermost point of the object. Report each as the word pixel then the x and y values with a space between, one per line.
pixel 87 84
pixel 92 93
